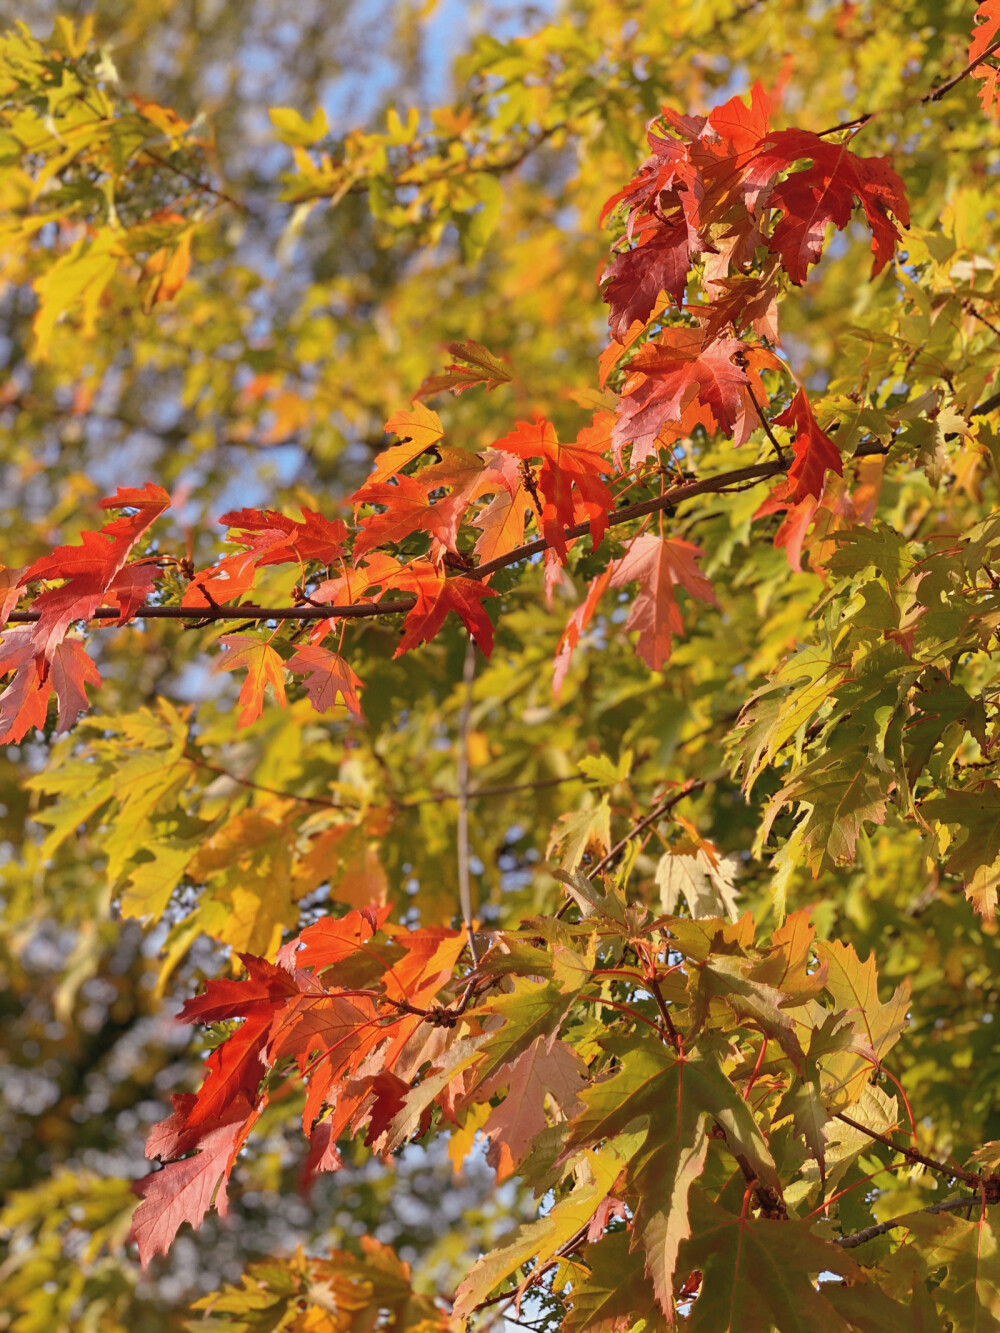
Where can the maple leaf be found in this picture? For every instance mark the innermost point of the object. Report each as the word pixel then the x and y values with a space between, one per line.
pixel 567 470
pixel 800 492
pixel 975 853
pixel 540 1240
pixel 225 581
pixel 408 509
pixel 10 591
pixel 103 553
pixel 575 626
pixel 420 429
pixel 474 364
pixel 263 666
pixel 759 1274
pixel 985 33
pixel 437 595
pixel 275 539
pixel 328 676
pixel 93 567
pixel 331 940
pixel 538 1072
pixel 24 703
pixel 502 521
pixel 184 1191
pixel 854 988
pixel 660 564
pixel 824 193
pixel 679 369
pixel 634 279
pixel 615 1293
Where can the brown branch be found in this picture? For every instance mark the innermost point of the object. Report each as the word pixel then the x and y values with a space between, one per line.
pixel 501 789
pixel 779 452
pixel 661 808
pixel 654 987
pixel 462 835
pixel 912 1155
pixel 933 95
pixel 668 803
pixel 717 484
pixel 857 1238
pixel 937 93
pixel 271 791
pixel 203 187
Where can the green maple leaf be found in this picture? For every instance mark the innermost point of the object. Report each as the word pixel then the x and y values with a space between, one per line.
pixel 675 1099
pixel 760 1275
pixel 615 1293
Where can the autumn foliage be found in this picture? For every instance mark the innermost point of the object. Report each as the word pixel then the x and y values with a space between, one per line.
pixel 676 1048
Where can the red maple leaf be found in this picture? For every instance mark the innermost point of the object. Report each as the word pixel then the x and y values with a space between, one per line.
pixel 409 507
pixel 328 676
pixel 184 1191
pixel 502 520
pixel 634 279
pixel 24 703
pixel 815 453
pixel 669 375
pixel 984 34
pixel 575 626
pixel 660 564
pixel 569 473
pixel 275 539
pixel 824 193
pixel 437 595
pixel 263 667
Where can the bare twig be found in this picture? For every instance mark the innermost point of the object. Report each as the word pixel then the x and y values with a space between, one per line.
pixel 661 808
pixel 668 803
pixel 857 1238
pixel 937 93
pixel 464 882
pixel 932 95
pixel 322 801
pixel 779 452
pixel 912 1155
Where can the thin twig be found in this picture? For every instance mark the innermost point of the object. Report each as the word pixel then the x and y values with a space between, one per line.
pixel 880 1228
pixel 501 789
pixel 911 1154
pixel 933 95
pixel 464 883
pixel 654 987
pixel 668 803
pixel 937 93
pixel 271 791
pixel 766 424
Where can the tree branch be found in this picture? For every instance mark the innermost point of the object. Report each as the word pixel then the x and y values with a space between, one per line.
pixel 937 93
pixel 668 803
pixel 912 1155
pixel 713 485
pixel 880 1228
pixel 462 836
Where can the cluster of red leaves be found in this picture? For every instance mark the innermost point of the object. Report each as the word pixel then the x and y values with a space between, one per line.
pixel 355 1008
pixel 97 573
pixel 985 36
pixel 716 192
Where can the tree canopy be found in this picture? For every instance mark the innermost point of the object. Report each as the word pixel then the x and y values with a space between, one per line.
pixel 499 594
